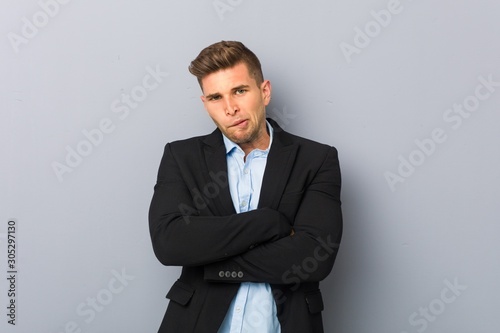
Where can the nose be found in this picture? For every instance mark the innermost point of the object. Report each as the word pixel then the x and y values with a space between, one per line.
pixel 231 107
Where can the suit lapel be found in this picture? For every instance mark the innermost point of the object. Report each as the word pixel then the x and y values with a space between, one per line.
pixel 278 167
pixel 215 158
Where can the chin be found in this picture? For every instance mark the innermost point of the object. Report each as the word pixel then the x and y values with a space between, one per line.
pixel 239 140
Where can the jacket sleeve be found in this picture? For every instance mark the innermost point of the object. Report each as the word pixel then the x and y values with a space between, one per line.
pixel 308 254
pixel 182 236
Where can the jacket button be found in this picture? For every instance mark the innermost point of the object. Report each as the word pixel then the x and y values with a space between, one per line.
pixel 228 274
pixel 240 274
pixel 234 274
pixel 221 274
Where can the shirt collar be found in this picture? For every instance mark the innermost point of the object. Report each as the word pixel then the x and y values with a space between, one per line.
pixel 230 145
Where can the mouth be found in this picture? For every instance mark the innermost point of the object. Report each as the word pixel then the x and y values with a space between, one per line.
pixel 239 123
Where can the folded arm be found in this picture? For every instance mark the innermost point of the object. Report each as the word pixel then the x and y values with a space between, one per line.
pixel 308 254
pixel 184 237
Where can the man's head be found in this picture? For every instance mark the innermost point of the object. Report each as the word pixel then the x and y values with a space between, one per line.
pixel 235 94
pixel 224 55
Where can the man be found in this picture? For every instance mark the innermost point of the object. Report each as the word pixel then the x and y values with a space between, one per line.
pixel 250 212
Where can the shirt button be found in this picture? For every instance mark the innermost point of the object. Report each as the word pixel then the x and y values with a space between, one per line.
pixel 238 309
pixel 246 171
pixel 243 203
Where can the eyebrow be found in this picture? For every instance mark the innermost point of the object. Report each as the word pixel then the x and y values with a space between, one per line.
pixel 216 94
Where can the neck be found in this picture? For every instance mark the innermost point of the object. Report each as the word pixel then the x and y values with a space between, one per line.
pixel 260 142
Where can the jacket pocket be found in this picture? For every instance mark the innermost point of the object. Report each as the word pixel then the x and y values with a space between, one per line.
pixel 180 293
pixel 314 301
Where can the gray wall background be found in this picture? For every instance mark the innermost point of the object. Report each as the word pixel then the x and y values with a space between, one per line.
pixel 399 87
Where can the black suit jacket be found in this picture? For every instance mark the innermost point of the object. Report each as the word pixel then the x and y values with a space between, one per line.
pixel 193 224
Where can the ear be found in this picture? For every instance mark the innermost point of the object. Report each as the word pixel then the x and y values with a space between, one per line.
pixel 204 101
pixel 266 90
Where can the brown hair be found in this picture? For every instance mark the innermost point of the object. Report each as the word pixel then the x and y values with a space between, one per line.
pixel 224 55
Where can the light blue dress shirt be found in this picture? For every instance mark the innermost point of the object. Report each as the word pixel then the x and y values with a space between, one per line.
pixel 253 310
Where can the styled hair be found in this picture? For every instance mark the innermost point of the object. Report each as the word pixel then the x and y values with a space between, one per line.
pixel 224 55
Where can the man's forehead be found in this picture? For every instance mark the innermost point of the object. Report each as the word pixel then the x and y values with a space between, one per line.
pixel 227 80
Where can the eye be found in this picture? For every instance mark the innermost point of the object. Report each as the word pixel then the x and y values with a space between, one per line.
pixel 214 98
pixel 240 91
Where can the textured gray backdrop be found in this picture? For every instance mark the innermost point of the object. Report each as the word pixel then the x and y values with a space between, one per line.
pixel 408 91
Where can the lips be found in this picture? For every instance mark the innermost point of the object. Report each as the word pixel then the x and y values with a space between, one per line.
pixel 239 123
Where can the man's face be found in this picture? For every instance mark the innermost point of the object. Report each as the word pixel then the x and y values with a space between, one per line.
pixel 237 105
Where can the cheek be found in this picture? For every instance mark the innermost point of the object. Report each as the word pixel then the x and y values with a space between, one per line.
pixel 218 117
pixel 213 111
pixel 257 108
